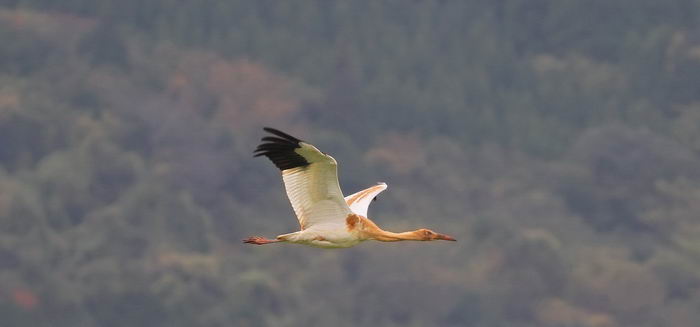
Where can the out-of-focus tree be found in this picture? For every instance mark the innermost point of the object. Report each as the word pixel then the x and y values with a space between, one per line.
pixel 557 140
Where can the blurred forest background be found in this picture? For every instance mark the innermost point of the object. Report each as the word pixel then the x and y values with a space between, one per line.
pixel 558 140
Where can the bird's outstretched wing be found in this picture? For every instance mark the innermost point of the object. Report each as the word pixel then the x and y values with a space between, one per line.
pixel 310 178
pixel 359 202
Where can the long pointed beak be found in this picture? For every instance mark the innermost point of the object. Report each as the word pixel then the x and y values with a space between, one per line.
pixel 445 237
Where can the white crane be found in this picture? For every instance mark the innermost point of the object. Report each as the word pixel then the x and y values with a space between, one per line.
pixel 327 219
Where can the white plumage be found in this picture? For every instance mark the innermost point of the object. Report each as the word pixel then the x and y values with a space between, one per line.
pixel 327 219
pixel 313 190
pixel 359 202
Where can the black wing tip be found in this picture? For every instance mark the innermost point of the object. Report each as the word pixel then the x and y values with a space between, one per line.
pixel 280 149
pixel 281 134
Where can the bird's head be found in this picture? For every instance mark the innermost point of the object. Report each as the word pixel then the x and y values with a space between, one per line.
pixel 424 234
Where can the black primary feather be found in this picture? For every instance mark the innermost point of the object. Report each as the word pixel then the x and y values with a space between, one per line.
pixel 280 149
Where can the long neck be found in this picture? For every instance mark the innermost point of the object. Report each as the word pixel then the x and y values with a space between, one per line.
pixel 370 230
pixel 386 236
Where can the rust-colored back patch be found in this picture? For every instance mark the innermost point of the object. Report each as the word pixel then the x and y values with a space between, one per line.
pixel 351 221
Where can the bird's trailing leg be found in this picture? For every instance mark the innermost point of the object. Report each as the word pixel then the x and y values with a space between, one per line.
pixel 257 240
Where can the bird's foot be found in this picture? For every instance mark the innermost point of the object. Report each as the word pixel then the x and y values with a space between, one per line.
pixel 257 240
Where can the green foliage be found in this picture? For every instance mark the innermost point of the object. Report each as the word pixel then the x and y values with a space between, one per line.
pixel 558 140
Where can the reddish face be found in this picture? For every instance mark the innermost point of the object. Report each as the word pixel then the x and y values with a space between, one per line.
pixel 428 235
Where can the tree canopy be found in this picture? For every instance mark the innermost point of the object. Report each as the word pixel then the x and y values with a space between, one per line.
pixel 559 141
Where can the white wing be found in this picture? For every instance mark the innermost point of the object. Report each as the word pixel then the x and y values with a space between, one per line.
pixel 310 179
pixel 360 201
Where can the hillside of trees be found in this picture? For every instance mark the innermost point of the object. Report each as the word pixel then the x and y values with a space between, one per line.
pixel 558 141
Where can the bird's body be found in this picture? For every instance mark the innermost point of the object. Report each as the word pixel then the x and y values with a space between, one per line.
pixel 329 236
pixel 327 219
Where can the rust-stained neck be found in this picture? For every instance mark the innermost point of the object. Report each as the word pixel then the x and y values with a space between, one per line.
pixel 368 230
